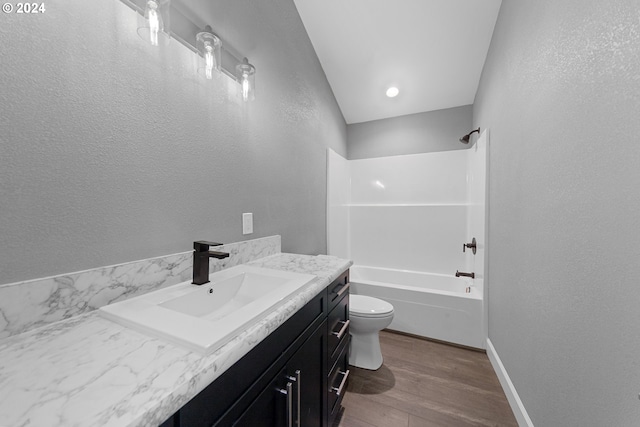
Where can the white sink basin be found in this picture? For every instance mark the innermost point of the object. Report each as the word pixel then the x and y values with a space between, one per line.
pixel 204 318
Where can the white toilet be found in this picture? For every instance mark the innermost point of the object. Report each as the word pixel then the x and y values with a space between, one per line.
pixel 368 316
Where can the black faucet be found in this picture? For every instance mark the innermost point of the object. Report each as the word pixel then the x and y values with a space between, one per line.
pixel 460 273
pixel 201 255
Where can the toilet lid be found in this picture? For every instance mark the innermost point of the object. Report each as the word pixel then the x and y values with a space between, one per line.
pixel 362 305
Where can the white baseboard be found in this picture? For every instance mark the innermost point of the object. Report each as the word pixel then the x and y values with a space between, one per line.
pixel 512 395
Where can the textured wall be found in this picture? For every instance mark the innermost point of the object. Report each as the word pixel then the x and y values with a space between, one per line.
pixel 560 93
pixel 112 151
pixel 415 133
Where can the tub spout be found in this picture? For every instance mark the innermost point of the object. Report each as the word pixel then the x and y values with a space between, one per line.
pixel 461 273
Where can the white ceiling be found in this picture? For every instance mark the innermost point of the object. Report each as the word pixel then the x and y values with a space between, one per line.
pixel 432 50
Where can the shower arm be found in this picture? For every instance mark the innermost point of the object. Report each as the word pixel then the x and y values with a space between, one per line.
pixel 465 139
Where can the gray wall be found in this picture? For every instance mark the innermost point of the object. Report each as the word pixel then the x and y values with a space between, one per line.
pixel 560 93
pixel 415 133
pixel 112 151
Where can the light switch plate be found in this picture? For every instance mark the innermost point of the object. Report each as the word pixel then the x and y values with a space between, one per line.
pixel 247 223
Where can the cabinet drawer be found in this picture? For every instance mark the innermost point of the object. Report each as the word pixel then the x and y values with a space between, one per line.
pixel 337 289
pixel 338 323
pixel 338 380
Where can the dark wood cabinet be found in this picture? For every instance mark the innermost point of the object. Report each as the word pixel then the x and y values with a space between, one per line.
pixel 287 379
pixel 338 344
pixel 294 397
pixel 338 377
pixel 308 369
pixel 269 409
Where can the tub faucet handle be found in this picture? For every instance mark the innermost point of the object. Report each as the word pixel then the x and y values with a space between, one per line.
pixel 471 246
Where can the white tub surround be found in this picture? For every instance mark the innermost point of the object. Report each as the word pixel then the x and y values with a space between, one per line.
pixel 409 212
pixel 34 303
pixel 408 217
pixel 89 371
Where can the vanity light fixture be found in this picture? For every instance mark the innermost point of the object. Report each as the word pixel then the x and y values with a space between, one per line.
pixel 209 46
pixel 246 75
pixel 154 26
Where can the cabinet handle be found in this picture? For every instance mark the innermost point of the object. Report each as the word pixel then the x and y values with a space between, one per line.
pixel 344 328
pixel 344 289
pixel 289 393
pixel 338 390
pixel 298 380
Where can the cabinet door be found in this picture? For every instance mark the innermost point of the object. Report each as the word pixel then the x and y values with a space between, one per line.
pixel 308 367
pixel 273 407
pixel 296 397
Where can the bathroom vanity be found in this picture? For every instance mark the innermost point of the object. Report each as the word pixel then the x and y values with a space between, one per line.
pixel 87 370
pixel 296 376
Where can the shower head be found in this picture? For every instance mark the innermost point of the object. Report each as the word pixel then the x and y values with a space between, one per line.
pixel 465 139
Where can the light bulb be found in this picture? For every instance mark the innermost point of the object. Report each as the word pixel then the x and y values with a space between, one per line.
pixel 392 92
pixel 154 22
pixel 209 60
pixel 245 86
pixel 245 75
pixel 208 46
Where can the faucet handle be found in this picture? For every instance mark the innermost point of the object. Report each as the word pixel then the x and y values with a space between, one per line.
pixel 471 245
pixel 203 245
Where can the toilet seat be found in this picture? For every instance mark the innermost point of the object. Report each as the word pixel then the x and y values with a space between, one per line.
pixel 365 306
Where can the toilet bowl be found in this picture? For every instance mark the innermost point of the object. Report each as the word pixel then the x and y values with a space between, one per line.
pixel 368 316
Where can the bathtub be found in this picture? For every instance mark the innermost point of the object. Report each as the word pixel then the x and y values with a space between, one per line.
pixel 429 305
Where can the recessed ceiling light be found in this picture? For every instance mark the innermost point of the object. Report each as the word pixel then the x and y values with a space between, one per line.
pixel 392 92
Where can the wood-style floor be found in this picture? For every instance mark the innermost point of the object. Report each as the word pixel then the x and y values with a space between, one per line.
pixel 424 383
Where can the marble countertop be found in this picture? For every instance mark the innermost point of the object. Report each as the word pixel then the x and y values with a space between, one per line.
pixel 89 371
